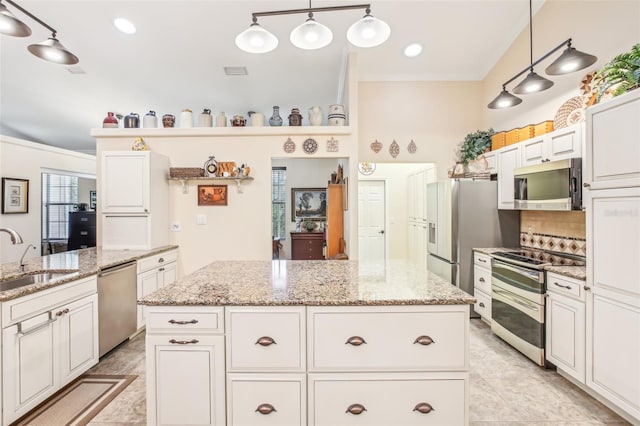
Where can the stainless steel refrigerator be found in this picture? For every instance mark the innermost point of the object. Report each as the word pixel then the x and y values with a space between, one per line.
pixel 463 214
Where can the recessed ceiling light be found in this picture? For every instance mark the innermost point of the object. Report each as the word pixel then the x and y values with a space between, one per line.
pixel 413 50
pixel 124 25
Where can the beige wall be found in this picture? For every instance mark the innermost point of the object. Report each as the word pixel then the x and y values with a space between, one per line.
pixel 435 115
pixel 26 160
pixel 602 28
pixel 562 224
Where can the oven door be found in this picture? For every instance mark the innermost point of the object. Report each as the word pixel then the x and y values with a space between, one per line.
pixel 518 321
pixel 525 282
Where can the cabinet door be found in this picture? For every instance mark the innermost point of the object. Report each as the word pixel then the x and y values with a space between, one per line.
pixel 185 376
pixel 78 326
pixel 29 365
pixel 125 182
pixel 411 201
pixel 492 162
pixel 565 143
pixel 147 283
pixel 565 335
pixel 169 274
pixel 508 159
pixel 534 151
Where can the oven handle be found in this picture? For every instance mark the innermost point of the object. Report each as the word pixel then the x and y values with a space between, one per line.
pixel 522 271
pixel 509 297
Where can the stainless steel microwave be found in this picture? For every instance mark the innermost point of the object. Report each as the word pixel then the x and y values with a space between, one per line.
pixel 554 185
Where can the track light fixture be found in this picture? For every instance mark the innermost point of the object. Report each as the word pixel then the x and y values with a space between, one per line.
pixel 50 50
pixel 569 61
pixel 366 32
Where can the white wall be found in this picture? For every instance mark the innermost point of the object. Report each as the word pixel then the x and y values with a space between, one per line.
pixel 25 160
pixel 84 186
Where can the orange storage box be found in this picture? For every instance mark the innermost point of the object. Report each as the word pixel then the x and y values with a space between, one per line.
pixel 525 132
pixel 542 128
pixel 498 140
pixel 512 137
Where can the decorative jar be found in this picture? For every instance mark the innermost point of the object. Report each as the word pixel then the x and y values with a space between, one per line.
pixel 238 121
pixel 110 121
pixel 315 116
pixel 221 120
pixel 295 118
pixel 275 119
pixel 132 121
pixel 186 118
pixel 205 119
pixel 150 120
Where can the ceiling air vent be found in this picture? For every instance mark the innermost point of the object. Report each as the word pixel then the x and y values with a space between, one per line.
pixel 235 71
pixel 76 70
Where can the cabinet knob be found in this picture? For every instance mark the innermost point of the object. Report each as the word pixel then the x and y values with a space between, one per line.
pixel 586 288
pixel 265 341
pixel 481 279
pixel 146 210
pixel 356 409
pixel 265 409
pixel 160 269
pixel 423 340
pixel 62 312
pixel 586 185
pixel 481 304
pixel 355 341
pixel 161 260
pixel 183 342
pixel 177 322
pixel 424 408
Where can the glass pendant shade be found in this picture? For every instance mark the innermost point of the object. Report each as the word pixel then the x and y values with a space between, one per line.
pixel 532 83
pixel 53 51
pixel 256 39
pixel 569 61
pixel 504 100
pixel 311 35
pixel 10 25
pixel 368 32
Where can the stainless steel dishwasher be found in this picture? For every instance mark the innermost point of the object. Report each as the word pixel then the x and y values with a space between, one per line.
pixel 117 305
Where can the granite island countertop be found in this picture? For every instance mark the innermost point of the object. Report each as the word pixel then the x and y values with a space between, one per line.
pixel 79 263
pixel 308 282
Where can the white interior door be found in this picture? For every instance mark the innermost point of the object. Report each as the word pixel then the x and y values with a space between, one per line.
pixel 371 220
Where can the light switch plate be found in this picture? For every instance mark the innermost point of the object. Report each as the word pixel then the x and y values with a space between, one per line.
pixel 201 219
pixel 175 226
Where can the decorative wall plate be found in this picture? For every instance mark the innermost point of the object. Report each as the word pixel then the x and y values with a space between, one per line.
pixel 394 149
pixel 310 146
pixel 376 146
pixel 570 112
pixel 366 168
pixel 412 147
pixel 332 145
pixel 289 146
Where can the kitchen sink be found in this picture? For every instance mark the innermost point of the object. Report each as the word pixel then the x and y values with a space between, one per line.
pixel 34 278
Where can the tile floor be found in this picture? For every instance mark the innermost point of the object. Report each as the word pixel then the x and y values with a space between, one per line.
pixel 505 388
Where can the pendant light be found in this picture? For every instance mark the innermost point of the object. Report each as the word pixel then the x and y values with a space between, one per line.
pixel 504 100
pixel 310 34
pixel 570 60
pixel 368 31
pixel 256 39
pixel 53 51
pixel 10 25
pixel 532 82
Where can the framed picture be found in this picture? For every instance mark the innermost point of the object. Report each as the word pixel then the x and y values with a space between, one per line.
pixel 92 200
pixel 15 195
pixel 309 203
pixel 212 195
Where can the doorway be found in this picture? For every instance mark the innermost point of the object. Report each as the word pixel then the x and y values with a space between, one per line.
pixel 372 241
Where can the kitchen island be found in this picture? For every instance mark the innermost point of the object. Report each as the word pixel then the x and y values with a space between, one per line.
pixel 308 343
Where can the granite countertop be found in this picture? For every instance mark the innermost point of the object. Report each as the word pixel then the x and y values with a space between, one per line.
pixel 309 282
pixel 577 272
pixel 79 263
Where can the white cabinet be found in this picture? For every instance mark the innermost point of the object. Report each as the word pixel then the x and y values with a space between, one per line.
pixel 417 216
pixel 557 145
pixel 565 325
pixel 155 272
pixel 134 200
pixel 492 161
pixel 508 159
pixel 613 143
pixel 48 339
pixel 185 366
pixel 482 285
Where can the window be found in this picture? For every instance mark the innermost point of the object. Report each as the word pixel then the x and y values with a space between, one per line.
pixel 59 197
pixel 278 199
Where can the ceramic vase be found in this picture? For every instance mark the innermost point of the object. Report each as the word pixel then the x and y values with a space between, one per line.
pixel 110 121
pixel 186 118
pixel 221 120
pixel 132 121
pixel 295 118
pixel 275 119
pixel 257 119
pixel 315 116
pixel 150 120
pixel 168 120
pixel 205 119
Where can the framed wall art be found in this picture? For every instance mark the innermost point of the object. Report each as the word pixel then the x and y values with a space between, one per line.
pixel 15 195
pixel 93 200
pixel 212 195
pixel 309 203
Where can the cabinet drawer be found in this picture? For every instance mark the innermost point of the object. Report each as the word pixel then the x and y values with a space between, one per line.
pixel 483 305
pixel 482 259
pixel 262 339
pixel 565 285
pixel 387 340
pixel 388 400
pixel 191 319
pixel 482 278
pixel 266 399
pixel 157 260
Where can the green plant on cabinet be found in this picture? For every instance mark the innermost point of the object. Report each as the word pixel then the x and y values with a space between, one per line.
pixel 475 144
pixel 619 75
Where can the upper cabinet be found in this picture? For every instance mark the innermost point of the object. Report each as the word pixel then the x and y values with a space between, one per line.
pixel 508 159
pixel 558 145
pixel 613 143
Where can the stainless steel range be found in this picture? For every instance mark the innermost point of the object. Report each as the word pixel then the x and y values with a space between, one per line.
pixel 518 297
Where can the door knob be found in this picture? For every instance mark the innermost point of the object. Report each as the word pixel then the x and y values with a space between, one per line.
pixel 381 231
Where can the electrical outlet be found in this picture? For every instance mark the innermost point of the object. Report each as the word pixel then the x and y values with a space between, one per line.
pixel 175 226
pixel 201 219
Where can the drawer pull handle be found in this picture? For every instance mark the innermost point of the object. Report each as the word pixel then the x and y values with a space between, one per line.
pixel 482 260
pixel 161 260
pixel 355 341
pixel 183 342
pixel 356 409
pixel 266 409
pixel 481 304
pixel 193 321
pixel 424 340
pixel 62 312
pixel 160 269
pixel 481 279
pixel 265 341
pixel 586 288
pixel 424 408
pixel 563 286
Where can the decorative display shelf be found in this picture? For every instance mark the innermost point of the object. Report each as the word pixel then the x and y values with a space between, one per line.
pixel 185 181
pixel 221 131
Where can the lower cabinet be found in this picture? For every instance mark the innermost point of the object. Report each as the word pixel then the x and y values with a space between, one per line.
pixel 155 272
pixel 482 285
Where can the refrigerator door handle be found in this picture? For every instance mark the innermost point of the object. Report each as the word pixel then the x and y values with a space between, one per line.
pixel 432 233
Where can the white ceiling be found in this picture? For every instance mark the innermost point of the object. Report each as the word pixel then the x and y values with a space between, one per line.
pixel 176 59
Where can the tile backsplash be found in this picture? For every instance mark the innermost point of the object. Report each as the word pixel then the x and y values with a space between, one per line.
pixel 562 232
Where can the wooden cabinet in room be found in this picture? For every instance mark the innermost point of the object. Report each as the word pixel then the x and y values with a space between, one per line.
pixel 307 245
pixel 335 218
pixel 82 230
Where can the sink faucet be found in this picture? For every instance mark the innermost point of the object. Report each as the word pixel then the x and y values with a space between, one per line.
pixel 23 255
pixel 15 237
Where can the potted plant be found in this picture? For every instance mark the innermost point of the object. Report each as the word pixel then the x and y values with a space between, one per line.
pixel 475 144
pixel 619 75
